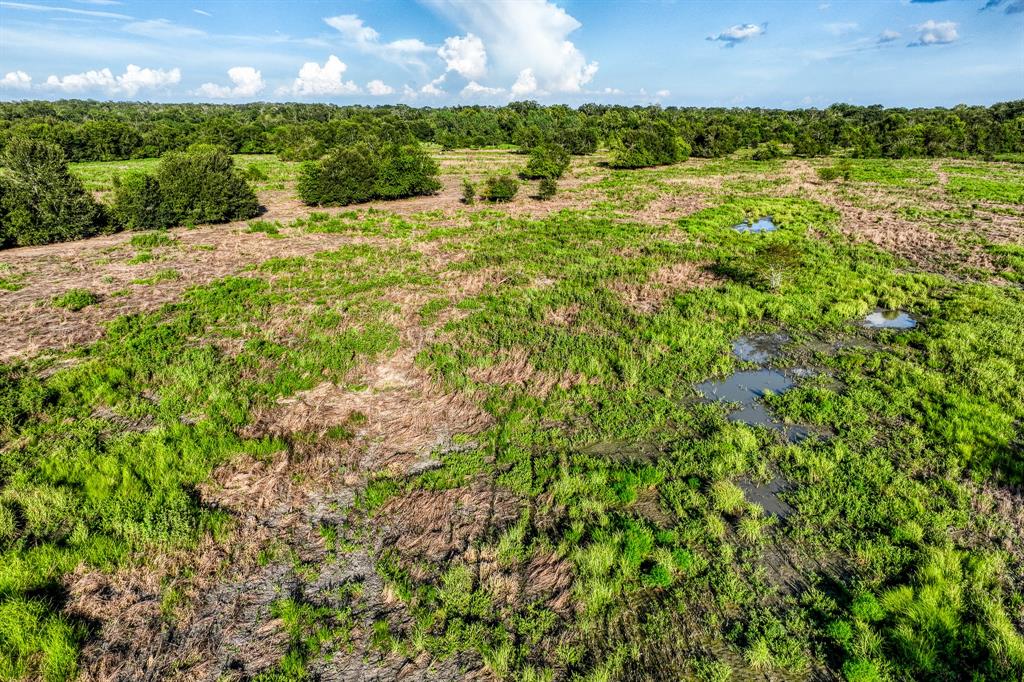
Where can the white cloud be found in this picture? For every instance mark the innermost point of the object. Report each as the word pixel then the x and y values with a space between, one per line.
pixel 888 35
pixel 365 38
pixel 738 34
pixel 65 10
pixel 474 89
pixel 203 12
pixel 465 55
pixel 934 32
pixel 525 84
pixel 379 88
pixel 135 79
pixel 18 80
pixel 246 81
pixel 431 89
pixel 162 29
pixel 841 28
pixel 314 79
pixel 663 93
pixel 129 83
pixel 526 34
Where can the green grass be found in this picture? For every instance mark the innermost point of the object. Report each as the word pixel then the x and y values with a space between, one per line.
pixel 98 176
pixel 608 462
pixel 76 299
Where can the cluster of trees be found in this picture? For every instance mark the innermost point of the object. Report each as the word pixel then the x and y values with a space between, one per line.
pixel 99 131
pixel 368 168
pixel 41 202
pixel 655 144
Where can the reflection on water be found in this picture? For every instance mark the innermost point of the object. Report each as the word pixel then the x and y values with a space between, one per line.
pixel 890 319
pixel 765 224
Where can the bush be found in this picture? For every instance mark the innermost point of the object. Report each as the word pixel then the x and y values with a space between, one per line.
pixel 202 186
pixel 41 202
pixel 137 203
pixel 468 191
pixel 546 161
pixel 830 173
pixel 364 171
pixel 653 145
pixel 500 188
pixel 767 151
pixel 197 186
pixel 255 173
pixel 76 299
pixel 547 188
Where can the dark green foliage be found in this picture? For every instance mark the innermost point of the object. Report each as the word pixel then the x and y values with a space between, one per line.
pixel 96 131
pixel 468 191
pixel 202 186
pixel 547 189
pixel 767 151
pixel 546 161
pixel 657 144
pixel 197 186
pixel 41 202
pixel 500 188
pixel 839 170
pixel 137 203
pixel 364 171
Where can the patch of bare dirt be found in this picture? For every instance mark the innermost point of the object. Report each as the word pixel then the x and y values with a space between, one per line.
pixel 649 296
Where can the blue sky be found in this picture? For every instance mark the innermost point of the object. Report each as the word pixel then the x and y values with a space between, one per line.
pixel 438 52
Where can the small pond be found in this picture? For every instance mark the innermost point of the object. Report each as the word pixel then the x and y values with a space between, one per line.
pixel 890 319
pixel 765 224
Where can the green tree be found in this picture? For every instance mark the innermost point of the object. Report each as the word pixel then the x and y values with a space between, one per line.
pixel 40 200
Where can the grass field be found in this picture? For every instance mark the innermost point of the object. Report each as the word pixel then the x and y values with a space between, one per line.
pixel 440 441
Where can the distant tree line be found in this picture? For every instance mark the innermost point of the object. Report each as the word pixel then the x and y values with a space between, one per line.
pixel 104 131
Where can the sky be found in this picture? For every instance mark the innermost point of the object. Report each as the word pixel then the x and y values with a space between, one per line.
pixel 787 53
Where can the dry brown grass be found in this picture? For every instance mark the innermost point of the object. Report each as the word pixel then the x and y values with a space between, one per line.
pixel 650 295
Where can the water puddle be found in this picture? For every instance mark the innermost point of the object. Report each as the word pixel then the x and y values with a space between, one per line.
pixel 766 496
pixel 765 224
pixel 890 319
pixel 746 386
pixel 759 349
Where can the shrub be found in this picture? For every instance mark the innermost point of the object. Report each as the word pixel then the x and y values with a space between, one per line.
pixel 137 204
pixel 653 145
pixel 41 202
pixel 546 161
pixel 197 186
pixel 830 173
pixel 76 299
pixel 202 186
pixel 767 151
pixel 500 188
pixel 364 171
pixel 547 188
pixel 255 173
pixel 468 191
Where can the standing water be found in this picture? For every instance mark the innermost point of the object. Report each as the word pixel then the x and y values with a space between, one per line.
pixel 765 224
pixel 890 319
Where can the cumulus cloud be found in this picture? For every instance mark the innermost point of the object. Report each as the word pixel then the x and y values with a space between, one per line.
pixel 739 33
pixel 474 89
pixel 17 80
pixel 314 79
pixel 162 29
pixel 431 89
pixel 888 36
pixel 662 93
pixel 366 39
pixel 246 82
pixel 526 34
pixel 526 83
pixel 130 83
pixel 379 88
pixel 465 55
pixel 934 32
